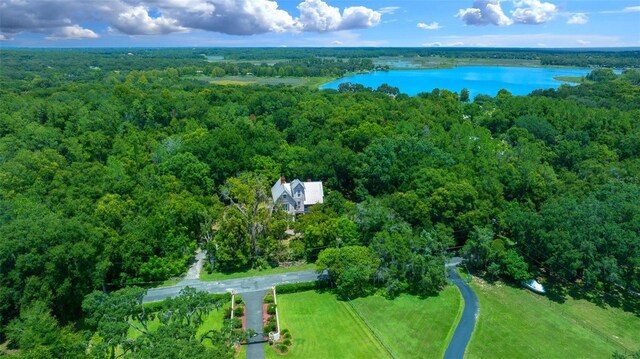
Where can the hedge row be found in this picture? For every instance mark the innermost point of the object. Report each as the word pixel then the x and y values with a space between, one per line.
pixel 301 287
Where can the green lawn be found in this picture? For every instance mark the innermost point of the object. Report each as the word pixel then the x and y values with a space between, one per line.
pixel 216 276
pixel 323 327
pixel 414 327
pixel 515 323
pixel 310 82
pixel 213 321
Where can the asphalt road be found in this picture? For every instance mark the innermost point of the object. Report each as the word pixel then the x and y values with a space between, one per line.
pixel 463 331
pixel 253 312
pixel 241 285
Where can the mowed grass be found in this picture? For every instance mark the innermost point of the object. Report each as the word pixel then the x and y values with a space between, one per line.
pixel 516 323
pixel 213 320
pixel 310 82
pixel 414 327
pixel 217 276
pixel 323 327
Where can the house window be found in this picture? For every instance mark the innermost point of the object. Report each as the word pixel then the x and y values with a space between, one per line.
pixel 286 207
pixel 284 196
pixel 299 204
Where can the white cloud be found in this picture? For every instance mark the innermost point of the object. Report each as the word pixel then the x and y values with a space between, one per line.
pixel 359 17
pixel 3 37
pixel 625 10
pixel 57 18
pixel 388 9
pixel 433 44
pixel 534 40
pixel 318 16
pixel 73 32
pixel 533 12
pixel 432 26
pixel 136 21
pixel 457 43
pixel 336 42
pixel 583 42
pixel 484 12
pixel 578 19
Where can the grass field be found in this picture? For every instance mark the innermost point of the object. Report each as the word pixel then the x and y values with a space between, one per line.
pixel 216 276
pixel 515 323
pixel 323 327
pixel 414 327
pixel 311 82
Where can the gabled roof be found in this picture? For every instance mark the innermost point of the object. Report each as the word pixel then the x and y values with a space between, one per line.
pixel 295 182
pixel 313 193
pixel 278 189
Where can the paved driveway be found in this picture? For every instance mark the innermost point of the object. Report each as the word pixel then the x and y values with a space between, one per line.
pixel 463 332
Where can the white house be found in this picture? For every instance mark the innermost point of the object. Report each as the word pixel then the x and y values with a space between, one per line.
pixel 297 196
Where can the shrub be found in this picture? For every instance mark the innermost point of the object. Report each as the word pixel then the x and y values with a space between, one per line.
pixel 227 312
pixel 282 348
pixel 154 307
pixel 287 342
pixel 233 323
pixel 238 299
pixel 268 299
pixel 269 328
pixel 271 309
pixel 285 331
pixel 287 335
pixel 271 320
pixel 297 287
pixel 238 311
pixel 208 268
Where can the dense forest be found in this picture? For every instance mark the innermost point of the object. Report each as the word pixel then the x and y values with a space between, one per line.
pixel 112 177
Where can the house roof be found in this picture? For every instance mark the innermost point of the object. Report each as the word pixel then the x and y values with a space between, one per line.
pixel 313 193
pixel 278 189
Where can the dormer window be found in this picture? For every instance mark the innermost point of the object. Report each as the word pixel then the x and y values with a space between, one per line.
pixel 284 196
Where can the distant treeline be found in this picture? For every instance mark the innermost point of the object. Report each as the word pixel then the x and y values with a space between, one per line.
pixel 76 64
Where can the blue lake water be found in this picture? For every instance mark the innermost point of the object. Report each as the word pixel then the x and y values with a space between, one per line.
pixel 477 79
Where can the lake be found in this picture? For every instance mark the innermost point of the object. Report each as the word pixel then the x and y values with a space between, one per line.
pixel 477 79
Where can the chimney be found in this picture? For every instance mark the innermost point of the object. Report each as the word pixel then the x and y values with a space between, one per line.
pixel 282 180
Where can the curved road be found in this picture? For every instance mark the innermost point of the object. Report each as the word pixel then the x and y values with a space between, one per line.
pixel 463 331
pixel 456 347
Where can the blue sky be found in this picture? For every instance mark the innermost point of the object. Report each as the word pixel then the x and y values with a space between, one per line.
pixel 447 23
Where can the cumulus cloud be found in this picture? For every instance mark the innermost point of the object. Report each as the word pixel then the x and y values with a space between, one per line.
pixel 318 16
pixel 239 17
pixel 578 19
pixel 359 17
pixel 336 42
pixel 136 21
pixel 432 26
pixel 433 44
pixel 583 42
pixel 59 18
pixel 533 12
pixel 73 32
pixel 484 12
